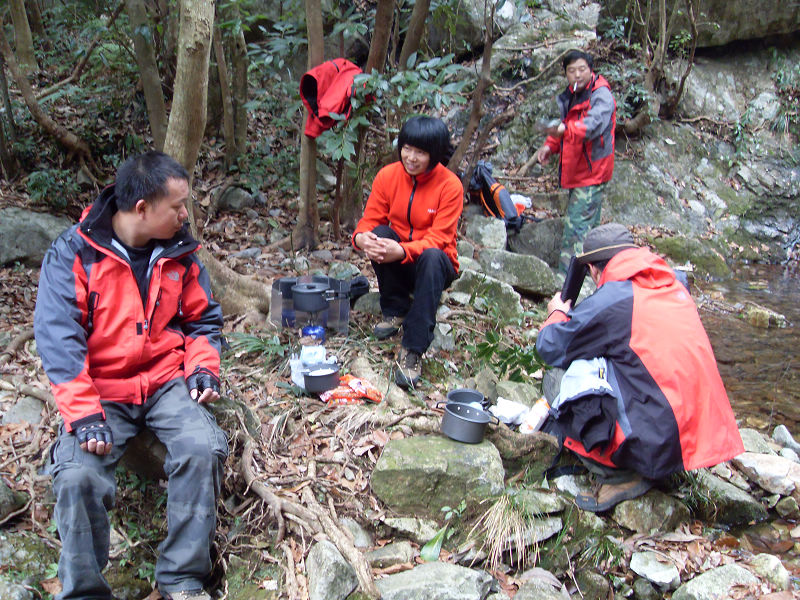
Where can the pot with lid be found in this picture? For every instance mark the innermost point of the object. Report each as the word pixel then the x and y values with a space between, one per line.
pixel 465 423
pixel 311 296
pixel 469 397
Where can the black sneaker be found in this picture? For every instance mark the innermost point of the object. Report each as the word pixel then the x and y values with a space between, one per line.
pixel 388 327
pixel 408 369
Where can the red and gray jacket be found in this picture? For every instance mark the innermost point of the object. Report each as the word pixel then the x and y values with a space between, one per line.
pixel 672 410
pixel 587 146
pixel 98 340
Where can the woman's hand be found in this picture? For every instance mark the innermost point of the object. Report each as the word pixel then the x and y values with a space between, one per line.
pixel 380 250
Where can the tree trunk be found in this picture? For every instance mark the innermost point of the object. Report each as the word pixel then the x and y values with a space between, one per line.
pixel 187 121
pixel 239 63
pixel 12 127
pixel 22 37
pixel 148 71
pixel 7 160
pixel 305 232
pixel 70 141
pixel 35 20
pixel 227 102
pixel 380 36
pixel 416 26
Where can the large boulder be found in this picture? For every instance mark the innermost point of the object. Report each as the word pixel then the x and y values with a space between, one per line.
pixel 26 235
pixel 436 581
pixel 651 513
pixel 330 576
pixel 524 272
pixel 720 22
pixel 731 506
pixel 421 474
pixel 489 294
pixel 716 583
pixel 488 232
pixel 541 239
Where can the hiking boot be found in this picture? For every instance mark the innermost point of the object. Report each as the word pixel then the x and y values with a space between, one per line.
pixel 388 327
pixel 186 595
pixel 605 496
pixel 408 369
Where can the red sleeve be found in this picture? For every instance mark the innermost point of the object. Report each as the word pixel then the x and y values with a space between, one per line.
pixel 376 212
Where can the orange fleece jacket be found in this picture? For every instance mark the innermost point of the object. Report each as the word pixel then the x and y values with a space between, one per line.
pixel 422 210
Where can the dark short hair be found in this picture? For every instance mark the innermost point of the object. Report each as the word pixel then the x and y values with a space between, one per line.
pixel 144 177
pixel 429 134
pixel 574 55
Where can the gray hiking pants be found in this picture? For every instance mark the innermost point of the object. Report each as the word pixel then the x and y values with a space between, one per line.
pixel 85 487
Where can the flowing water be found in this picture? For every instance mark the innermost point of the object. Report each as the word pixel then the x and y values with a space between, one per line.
pixel 759 366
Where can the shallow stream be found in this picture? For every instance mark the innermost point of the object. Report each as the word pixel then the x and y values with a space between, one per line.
pixel 759 366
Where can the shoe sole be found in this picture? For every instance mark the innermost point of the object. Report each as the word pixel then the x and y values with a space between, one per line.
pixel 404 382
pixel 382 334
pixel 586 502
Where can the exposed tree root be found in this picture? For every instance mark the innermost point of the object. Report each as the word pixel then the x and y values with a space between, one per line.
pixel 14 345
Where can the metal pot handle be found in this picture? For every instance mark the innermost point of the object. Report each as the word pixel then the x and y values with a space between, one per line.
pixel 438 402
pixel 492 416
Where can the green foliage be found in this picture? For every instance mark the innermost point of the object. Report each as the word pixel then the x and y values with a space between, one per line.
pixel 505 358
pixel 430 551
pixel 627 82
pixel 269 347
pixel 680 43
pixel 52 187
pixel 614 28
pixel 787 82
pixel 284 42
pixel 696 496
pixel 503 528
pixel 604 552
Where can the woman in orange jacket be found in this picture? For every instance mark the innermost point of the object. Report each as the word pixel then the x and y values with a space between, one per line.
pixel 408 231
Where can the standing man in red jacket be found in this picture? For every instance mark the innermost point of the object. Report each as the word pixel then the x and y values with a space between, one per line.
pixel 642 396
pixel 129 337
pixel 408 231
pixel 585 141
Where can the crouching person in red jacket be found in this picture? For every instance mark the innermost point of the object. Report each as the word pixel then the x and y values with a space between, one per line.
pixel 642 396
pixel 129 337
pixel 408 231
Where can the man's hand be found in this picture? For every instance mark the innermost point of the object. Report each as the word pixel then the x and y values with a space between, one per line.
pixel 95 437
pixel 543 155
pixel 203 386
pixel 378 249
pixel 556 303
pixel 557 131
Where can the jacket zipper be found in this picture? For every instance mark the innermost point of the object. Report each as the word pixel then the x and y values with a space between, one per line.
pixel 94 298
pixel 408 213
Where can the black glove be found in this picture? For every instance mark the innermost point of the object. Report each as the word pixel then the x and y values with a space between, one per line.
pixel 201 380
pixel 97 430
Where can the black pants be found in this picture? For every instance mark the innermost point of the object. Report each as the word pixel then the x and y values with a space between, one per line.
pixel 413 290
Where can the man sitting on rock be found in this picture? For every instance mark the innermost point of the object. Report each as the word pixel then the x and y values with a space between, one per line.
pixel 129 336
pixel 642 396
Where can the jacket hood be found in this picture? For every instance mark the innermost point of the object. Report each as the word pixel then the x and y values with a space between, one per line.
pixel 640 265
pixel 95 224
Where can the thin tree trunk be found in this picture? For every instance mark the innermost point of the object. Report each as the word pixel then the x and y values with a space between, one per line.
pixel 305 232
pixel 23 40
pixel 416 27
pixel 239 64
pixel 227 103
pixel 12 127
pixel 380 36
pixel 8 161
pixel 35 19
pixel 148 71
pixel 70 141
pixel 477 96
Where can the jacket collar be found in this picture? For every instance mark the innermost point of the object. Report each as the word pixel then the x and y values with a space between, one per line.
pixel 639 265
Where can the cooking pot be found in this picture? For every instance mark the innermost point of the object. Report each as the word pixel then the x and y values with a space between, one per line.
pixel 465 423
pixel 311 297
pixel 321 377
pixel 469 397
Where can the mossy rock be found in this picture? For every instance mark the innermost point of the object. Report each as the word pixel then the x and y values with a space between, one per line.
pixel 706 256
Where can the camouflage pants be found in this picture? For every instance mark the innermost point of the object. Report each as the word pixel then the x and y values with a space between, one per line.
pixel 85 487
pixel 583 213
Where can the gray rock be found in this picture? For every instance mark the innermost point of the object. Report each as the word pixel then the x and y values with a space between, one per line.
pixel 343 270
pixel 771 568
pixel 650 566
pixel 785 439
pixel 330 576
pixel 500 296
pixel 538 589
pixel 420 531
pixel 465 249
pixel 25 235
pixel 644 590
pixel 754 441
pixel 651 513
pixel 369 303
pixel 772 473
pixel 517 391
pixel 540 502
pixel 361 538
pixel 436 581
pixel 787 508
pixel 10 500
pixel 593 584
pixel 789 454
pixel 730 505
pixel 13 591
pixel 25 410
pixel 487 232
pixel 248 253
pixel 235 199
pixel 541 239
pixel 443 337
pixel 714 584
pixel 466 262
pixel 421 474
pixel 524 272
pixel 300 264
pixel 389 555
pixel 325 256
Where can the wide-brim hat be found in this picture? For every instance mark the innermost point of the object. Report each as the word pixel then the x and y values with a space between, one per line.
pixel 605 241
